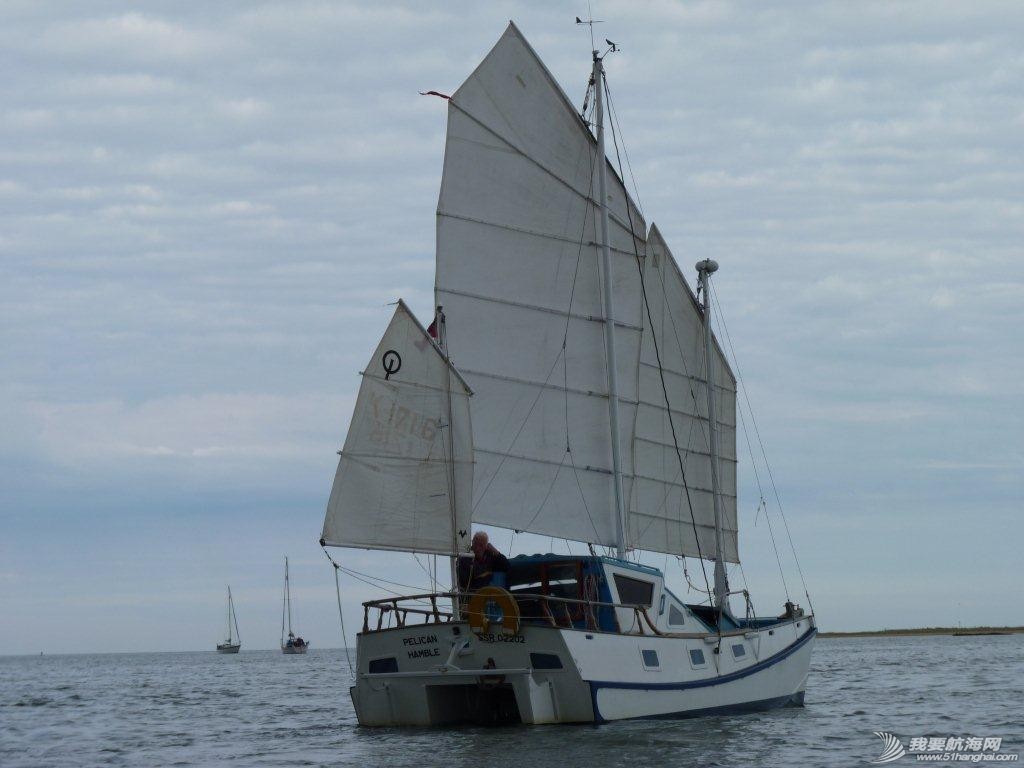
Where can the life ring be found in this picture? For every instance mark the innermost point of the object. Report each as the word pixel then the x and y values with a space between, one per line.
pixel 491 607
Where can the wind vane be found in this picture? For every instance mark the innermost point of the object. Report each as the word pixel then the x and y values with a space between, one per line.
pixel 590 22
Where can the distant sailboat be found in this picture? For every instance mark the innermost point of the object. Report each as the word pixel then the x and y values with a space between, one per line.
pixel 292 644
pixel 233 643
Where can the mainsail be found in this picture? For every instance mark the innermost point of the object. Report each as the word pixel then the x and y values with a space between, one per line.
pixel 518 274
pixel 405 477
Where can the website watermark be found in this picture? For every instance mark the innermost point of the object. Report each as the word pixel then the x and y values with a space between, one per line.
pixel 943 749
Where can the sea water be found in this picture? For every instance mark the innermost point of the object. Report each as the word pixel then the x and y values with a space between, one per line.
pixel 261 708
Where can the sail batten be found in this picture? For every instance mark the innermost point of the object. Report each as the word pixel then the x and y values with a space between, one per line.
pixel 544 235
pixel 551 310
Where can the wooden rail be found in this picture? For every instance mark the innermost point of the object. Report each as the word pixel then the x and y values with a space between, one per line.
pixel 393 607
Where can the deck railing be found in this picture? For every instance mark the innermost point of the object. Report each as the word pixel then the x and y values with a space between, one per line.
pixel 555 611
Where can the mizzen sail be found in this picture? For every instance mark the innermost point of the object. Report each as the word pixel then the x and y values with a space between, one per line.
pixel 405 477
pixel 660 513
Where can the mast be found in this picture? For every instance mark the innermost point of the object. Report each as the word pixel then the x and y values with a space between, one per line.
pixel 609 308
pixel 705 269
pixel 287 595
pixel 442 339
pixel 232 617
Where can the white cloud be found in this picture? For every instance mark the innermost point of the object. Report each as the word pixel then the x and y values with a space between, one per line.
pixel 206 208
pixel 225 430
pixel 135 36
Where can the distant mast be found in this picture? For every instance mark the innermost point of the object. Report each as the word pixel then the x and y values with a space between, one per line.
pixel 705 269
pixel 609 309
pixel 232 617
pixel 287 602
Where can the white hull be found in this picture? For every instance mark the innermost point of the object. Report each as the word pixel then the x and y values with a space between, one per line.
pixel 229 648
pixel 294 650
pixel 438 676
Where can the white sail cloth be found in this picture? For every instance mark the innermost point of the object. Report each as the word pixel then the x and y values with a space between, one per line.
pixel 659 516
pixel 518 274
pixel 517 197
pixel 405 477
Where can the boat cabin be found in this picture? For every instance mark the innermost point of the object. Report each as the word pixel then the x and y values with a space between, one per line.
pixel 591 592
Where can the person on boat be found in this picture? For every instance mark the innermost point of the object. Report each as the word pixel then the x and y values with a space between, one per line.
pixel 486 567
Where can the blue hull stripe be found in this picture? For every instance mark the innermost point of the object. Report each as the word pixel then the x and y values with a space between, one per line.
pixel 792 700
pixel 785 652
pixel 597 685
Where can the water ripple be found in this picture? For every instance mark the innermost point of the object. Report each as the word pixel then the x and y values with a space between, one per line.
pixel 264 709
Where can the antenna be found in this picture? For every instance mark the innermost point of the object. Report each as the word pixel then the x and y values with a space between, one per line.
pixel 590 22
pixel 612 48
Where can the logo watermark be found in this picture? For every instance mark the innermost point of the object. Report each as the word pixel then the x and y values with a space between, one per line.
pixel 943 749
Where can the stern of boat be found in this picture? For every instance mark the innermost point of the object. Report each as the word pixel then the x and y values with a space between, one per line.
pixel 442 674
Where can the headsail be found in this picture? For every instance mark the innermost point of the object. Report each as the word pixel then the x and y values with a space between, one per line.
pixel 659 517
pixel 405 477
pixel 518 275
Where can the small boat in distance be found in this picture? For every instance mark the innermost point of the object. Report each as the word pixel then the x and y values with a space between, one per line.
pixel 292 644
pixel 233 643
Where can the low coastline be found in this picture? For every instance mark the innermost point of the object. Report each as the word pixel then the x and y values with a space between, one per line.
pixel 959 631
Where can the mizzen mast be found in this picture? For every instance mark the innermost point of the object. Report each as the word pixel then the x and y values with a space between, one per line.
pixel 705 269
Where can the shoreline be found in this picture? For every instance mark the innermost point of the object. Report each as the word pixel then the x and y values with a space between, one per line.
pixel 959 631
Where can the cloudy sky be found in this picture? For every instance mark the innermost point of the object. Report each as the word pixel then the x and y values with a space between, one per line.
pixel 205 208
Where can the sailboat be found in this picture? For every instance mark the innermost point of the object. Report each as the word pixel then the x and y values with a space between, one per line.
pixel 233 642
pixel 569 386
pixel 291 644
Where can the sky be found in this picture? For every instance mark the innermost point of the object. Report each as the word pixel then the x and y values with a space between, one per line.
pixel 205 210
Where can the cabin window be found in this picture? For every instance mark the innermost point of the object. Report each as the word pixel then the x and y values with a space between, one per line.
pixel 558 579
pixel 739 651
pixel 650 659
pixel 381 666
pixel 634 591
pixel 675 616
pixel 545 661
pixel 697 657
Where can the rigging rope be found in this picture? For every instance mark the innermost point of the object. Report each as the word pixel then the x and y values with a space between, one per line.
pixel 768 467
pixel 750 450
pixel 540 391
pixel 371 580
pixel 341 614
pixel 565 387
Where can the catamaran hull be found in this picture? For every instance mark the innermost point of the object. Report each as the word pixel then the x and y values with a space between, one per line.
pixel 444 674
